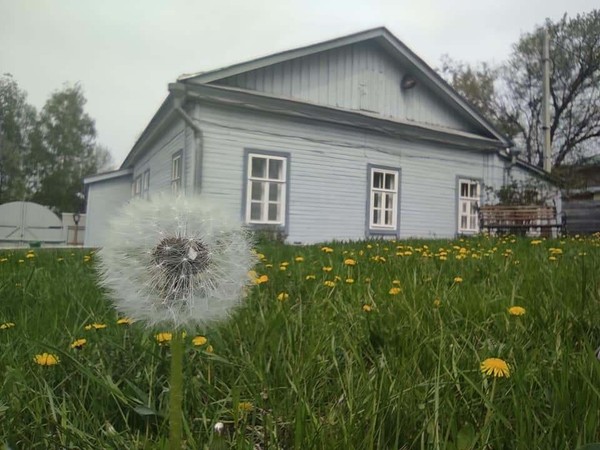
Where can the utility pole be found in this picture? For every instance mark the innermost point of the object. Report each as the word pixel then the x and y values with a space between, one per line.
pixel 546 104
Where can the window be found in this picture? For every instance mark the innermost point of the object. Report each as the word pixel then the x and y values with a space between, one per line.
pixel 146 184
pixel 383 199
pixel 176 171
pixel 468 201
pixel 266 189
pixel 136 187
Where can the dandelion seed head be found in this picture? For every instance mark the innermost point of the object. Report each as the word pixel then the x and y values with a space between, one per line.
pixel 175 261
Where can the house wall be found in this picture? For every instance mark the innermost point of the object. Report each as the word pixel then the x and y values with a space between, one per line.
pixel 360 77
pixel 158 157
pixel 104 198
pixel 328 173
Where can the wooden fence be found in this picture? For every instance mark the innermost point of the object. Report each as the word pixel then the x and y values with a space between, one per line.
pixel 583 216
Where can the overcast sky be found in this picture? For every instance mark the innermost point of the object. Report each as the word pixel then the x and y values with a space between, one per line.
pixel 124 53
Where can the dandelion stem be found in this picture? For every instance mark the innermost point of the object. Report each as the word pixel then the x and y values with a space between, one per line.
pixel 176 392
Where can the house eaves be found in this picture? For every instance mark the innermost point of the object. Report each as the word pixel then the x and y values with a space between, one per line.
pixel 105 176
pixel 257 101
pixel 535 170
pixel 416 66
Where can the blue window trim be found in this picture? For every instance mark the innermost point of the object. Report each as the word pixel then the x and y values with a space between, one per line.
pixel 266 226
pixel 374 232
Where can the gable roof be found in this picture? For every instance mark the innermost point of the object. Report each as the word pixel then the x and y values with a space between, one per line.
pixel 416 66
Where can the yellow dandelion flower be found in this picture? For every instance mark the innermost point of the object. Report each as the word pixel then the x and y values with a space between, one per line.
pixel 396 282
pixel 260 256
pixel 326 249
pixel 60 259
pixel 269 266
pixel 199 341
pixel 395 291
pixel 536 242
pixel 552 258
pixel 329 283
pixel 124 321
pixel 350 262
pixel 284 264
pixel 299 258
pixel 282 268
pixel 94 326
pixel 495 367
pixel 458 280
pixel 6 325
pixel 516 310
pixel 367 280
pixel 21 261
pixel 367 308
pixel 30 255
pixel 78 344
pixel 327 269
pixel 46 359
pixel 283 296
pixel 262 279
pixel 310 277
pixel 209 349
pixel 437 303
pixel 245 407
pixel 163 338
pixel 349 280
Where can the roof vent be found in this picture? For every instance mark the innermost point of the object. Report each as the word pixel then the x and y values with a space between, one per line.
pixel 408 82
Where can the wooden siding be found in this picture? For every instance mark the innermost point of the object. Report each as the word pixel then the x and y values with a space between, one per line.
pixel 360 77
pixel 104 198
pixel 328 173
pixel 158 157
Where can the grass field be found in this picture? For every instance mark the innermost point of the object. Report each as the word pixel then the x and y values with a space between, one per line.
pixel 353 346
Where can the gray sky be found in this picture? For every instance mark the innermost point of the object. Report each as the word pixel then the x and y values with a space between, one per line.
pixel 124 53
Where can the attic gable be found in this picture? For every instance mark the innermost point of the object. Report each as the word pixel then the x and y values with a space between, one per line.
pixel 362 72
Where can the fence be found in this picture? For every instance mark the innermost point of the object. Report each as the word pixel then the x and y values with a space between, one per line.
pixel 583 216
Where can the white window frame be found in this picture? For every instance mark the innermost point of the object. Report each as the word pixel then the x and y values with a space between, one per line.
pixel 384 193
pixel 176 172
pixel 265 183
pixel 146 184
pixel 470 203
pixel 136 187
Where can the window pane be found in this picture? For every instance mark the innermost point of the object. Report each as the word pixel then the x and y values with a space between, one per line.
pixel 274 192
pixel 257 190
pixel 377 199
pixel 464 189
pixel 473 222
pixel 463 207
pixel 255 211
pixel 273 211
pixel 376 217
pixel 389 181
pixel 473 192
pixel 378 180
pixel 463 222
pixel 389 201
pixel 388 217
pixel 259 167
pixel 275 169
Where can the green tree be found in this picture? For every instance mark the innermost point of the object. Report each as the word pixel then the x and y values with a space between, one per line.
pixel 63 150
pixel 511 94
pixel 17 125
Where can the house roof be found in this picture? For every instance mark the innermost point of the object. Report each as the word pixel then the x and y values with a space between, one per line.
pixel 416 66
pixel 110 175
pixel 383 37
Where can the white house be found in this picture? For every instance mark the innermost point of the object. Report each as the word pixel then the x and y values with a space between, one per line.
pixel 346 139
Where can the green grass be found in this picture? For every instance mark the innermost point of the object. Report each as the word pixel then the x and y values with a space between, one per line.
pixel 316 371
